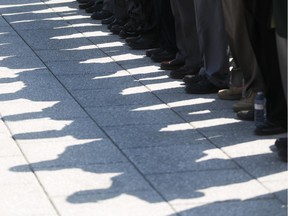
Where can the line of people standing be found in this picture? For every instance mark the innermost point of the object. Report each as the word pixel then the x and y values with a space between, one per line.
pixel 234 48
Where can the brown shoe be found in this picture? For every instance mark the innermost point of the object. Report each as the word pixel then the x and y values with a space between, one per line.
pixel 233 93
pixel 246 103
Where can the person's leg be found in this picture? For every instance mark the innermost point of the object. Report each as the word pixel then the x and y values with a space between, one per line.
pixel 213 41
pixel 242 53
pixel 166 31
pixel 214 46
pixel 264 45
pixel 186 38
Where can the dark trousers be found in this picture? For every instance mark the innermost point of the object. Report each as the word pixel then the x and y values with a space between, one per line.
pixel 120 9
pixel 165 24
pixel 258 15
pixel 186 32
pixel 142 13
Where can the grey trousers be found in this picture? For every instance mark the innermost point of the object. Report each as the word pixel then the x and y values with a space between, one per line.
pixel 240 45
pixel 213 41
pixel 186 32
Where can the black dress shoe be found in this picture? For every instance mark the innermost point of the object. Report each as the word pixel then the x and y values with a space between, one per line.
pixel 124 34
pixel 204 86
pixel 150 52
pixel 246 115
pixel 87 5
pixel 269 128
pixel 103 14
pixel 163 56
pixel 132 39
pixel 96 7
pixel 184 71
pixel 131 29
pixel 115 29
pixel 114 22
pixel 172 65
pixel 108 20
pixel 145 42
pixel 190 79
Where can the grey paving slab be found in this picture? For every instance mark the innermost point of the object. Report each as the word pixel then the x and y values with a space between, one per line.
pixel 233 133
pixel 53 39
pixel 83 23
pixel 64 8
pixel 68 154
pixel 208 186
pixel 3 22
pixel 63 110
pixel 80 19
pixel 118 50
pixel 130 63
pixel 35 78
pixel 17 2
pixel 112 97
pixel 138 203
pixel 90 81
pixel 82 68
pixel 21 63
pixel 201 115
pixel 15 49
pixel 30 16
pixel 9 177
pixel 234 208
pixel 39 24
pixel 278 193
pixel 97 31
pixel 163 86
pixel 147 71
pixel 59 110
pixel 262 164
pixel 21 7
pixel 92 179
pixel 9 37
pixel 36 93
pixel 179 158
pixel 69 55
pixel 8 146
pixel 45 128
pixel 126 115
pixel 136 136
pixel 25 200
pixel 183 102
pixel 98 35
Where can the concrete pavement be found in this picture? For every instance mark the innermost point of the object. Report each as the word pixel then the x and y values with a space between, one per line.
pixel 90 127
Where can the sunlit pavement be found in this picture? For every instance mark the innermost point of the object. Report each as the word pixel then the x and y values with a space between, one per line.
pixel 89 127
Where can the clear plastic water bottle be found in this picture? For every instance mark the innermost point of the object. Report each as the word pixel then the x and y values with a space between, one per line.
pixel 259 109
